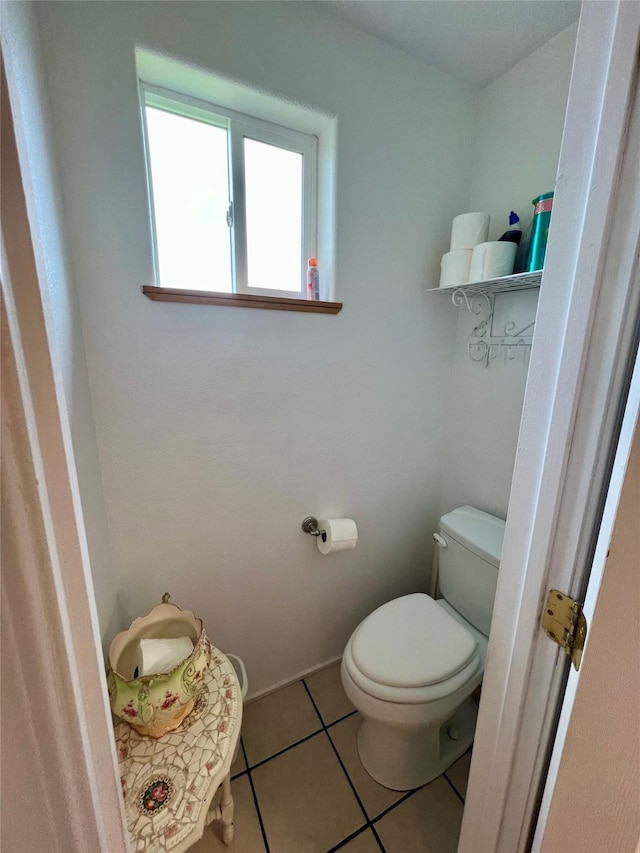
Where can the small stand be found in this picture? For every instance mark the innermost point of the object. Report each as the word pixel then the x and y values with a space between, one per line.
pixel 169 783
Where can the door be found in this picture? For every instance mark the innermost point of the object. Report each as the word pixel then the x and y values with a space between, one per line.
pixel 591 799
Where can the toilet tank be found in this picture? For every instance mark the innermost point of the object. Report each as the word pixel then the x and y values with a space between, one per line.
pixel 469 558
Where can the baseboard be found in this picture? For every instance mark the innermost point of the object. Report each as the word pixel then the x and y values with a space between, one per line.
pixel 252 697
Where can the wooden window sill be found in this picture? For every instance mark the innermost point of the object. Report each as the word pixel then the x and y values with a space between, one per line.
pixel 239 300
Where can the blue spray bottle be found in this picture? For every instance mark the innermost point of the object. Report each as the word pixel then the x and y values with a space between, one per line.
pixel 514 233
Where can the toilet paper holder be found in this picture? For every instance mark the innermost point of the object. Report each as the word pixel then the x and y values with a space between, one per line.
pixel 310 526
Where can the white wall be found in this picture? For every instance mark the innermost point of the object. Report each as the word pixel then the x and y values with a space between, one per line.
pixel 220 429
pixel 520 122
pixel 30 105
pixel 517 145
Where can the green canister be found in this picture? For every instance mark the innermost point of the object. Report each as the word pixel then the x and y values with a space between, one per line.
pixel 542 206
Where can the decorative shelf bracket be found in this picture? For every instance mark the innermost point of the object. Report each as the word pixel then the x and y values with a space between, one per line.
pixel 475 302
pixel 486 343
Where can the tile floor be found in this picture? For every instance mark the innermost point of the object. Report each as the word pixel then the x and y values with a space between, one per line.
pixel 299 787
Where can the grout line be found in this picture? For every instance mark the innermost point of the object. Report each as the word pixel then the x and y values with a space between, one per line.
pixel 378 839
pixel 393 805
pixel 344 769
pixel 241 773
pixel 340 719
pixel 453 787
pixel 369 823
pixel 349 838
pixel 353 787
pixel 282 751
pixel 255 800
pixel 313 702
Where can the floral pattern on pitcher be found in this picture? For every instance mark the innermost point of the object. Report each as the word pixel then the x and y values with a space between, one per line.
pixel 169 700
pixel 156 704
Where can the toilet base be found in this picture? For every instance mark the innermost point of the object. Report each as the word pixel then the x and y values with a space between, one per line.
pixel 403 758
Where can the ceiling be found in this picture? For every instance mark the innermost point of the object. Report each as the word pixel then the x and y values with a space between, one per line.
pixel 474 40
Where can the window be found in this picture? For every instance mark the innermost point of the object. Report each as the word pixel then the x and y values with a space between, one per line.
pixel 233 199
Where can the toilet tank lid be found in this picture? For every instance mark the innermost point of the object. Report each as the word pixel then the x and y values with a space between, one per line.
pixel 478 531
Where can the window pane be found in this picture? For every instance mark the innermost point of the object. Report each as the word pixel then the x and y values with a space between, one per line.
pixel 274 216
pixel 189 175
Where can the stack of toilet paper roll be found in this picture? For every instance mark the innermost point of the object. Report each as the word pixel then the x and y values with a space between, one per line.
pixel 470 257
pixel 467 231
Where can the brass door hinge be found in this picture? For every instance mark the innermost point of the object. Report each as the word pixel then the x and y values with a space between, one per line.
pixel 564 622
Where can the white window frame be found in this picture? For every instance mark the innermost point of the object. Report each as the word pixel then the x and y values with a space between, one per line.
pixel 239 127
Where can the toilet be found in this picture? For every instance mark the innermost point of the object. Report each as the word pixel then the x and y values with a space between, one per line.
pixel 411 666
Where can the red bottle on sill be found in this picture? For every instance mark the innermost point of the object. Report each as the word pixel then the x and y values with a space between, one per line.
pixel 313 280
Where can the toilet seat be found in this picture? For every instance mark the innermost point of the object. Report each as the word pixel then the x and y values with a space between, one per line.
pixel 411 642
pixel 411 650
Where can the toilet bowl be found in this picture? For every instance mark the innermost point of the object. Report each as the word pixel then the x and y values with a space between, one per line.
pixel 411 666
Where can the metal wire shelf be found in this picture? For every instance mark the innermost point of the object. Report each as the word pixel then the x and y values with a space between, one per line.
pixel 519 281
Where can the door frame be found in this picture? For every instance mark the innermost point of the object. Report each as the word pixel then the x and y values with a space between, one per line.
pixel 623 257
pixel 579 373
pixel 50 639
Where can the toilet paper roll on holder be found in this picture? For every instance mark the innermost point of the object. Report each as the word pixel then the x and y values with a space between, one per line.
pixel 310 526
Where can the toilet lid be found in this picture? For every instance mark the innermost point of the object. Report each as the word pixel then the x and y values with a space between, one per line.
pixel 411 642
